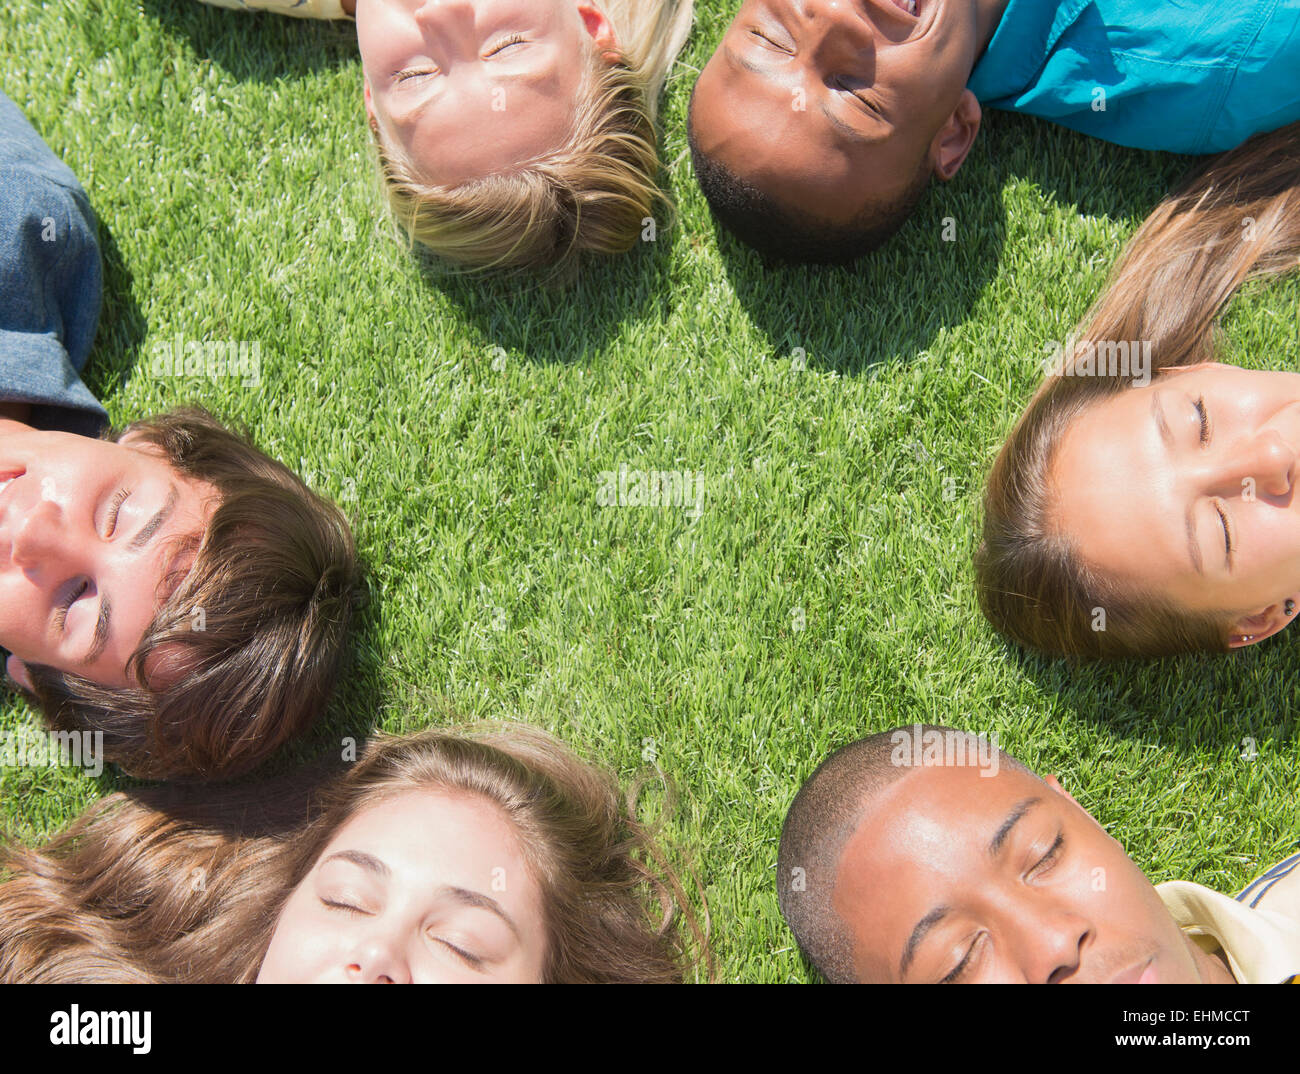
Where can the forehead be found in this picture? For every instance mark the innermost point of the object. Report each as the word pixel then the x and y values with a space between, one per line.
pixel 923 836
pixel 1118 491
pixel 747 121
pixel 437 835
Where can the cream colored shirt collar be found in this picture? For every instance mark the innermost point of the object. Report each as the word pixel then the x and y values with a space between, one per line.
pixel 1262 945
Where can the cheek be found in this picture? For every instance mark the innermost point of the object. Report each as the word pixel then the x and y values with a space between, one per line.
pixel 302 946
pixel 386 41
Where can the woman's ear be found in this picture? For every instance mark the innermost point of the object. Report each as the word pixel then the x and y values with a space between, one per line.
pixel 1255 628
pixel 600 29
pixel 18 672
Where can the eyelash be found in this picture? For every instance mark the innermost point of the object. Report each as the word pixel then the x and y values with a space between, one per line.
pixel 1047 859
pixel 472 960
pixel 348 908
pixel 759 33
pixel 1227 527
pixel 116 506
pixel 62 614
pixel 513 39
pixel 863 100
pixel 353 911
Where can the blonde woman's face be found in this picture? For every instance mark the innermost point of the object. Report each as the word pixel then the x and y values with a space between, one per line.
pixel 1187 488
pixel 424 887
pixel 469 88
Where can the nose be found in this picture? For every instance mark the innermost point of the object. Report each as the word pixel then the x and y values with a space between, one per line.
pixel 1053 937
pixel 41 539
pixel 1263 465
pixel 377 960
pixel 840 40
pixel 446 17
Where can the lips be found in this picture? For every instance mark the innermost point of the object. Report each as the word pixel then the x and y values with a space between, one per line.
pixel 6 479
pixel 908 7
pixel 1142 973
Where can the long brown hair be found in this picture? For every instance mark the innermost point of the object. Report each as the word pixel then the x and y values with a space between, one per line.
pixel 1237 219
pixel 140 891
pixel 253 637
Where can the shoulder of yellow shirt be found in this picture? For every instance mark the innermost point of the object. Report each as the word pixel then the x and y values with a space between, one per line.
pixel 1278 890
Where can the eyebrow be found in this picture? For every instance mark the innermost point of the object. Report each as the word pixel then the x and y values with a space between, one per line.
pixel 478 900
pixel 464 896
pixel 360 858
pixel 157 522
pixel 100 640
pixel 1013 818
pixel 847 130
pixel 918 934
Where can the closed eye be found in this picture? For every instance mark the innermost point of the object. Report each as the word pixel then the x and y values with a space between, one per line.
pixel 347 908
pixel 114 509
pixel 1051 857
pixel 74 595
pixel 513 39
pixel 759 34
pixel 961 967
pixel 859 96
pixel 473 961
pixel 415 72
pixel 1227 527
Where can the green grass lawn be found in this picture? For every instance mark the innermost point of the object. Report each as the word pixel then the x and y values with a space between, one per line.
pixel 841 421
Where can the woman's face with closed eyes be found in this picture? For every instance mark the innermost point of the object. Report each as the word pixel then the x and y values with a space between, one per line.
pixel 469 88
pixel 423 887
pixel 1185 489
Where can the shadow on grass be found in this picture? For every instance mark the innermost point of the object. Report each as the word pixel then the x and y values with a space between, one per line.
pixel 891 305
pixel 563 320
pixel 122 326
pixel 1239 700
pixel 258 46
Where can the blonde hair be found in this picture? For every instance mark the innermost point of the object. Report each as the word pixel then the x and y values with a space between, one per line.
pixel 589 195
pixel 147 888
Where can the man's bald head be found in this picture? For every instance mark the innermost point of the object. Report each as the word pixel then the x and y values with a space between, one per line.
pixel 828 810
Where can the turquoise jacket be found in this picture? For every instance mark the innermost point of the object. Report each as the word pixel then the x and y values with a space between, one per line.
pixel 1187 76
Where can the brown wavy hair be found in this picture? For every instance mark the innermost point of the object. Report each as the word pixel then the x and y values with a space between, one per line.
pixel 273 583
pixel 1238 219
pixel 141 889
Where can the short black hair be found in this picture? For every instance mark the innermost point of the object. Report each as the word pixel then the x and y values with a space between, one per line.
pixel 825 813
pixel 781 233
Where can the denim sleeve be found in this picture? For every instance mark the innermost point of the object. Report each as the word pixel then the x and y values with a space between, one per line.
pixel 50 281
